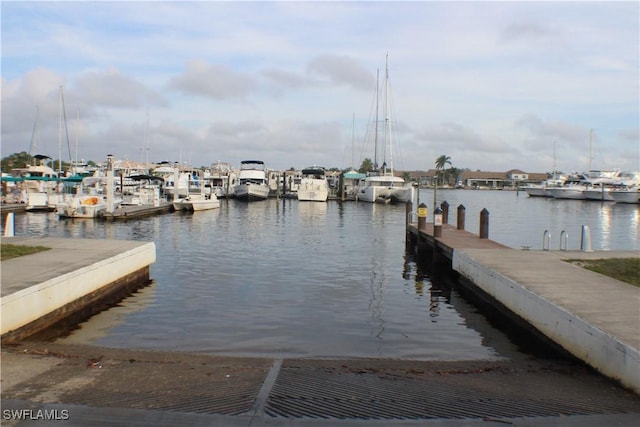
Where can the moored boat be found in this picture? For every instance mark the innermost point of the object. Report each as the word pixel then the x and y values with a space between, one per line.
pixel 197 202
pixel 313 185
pixel 252 181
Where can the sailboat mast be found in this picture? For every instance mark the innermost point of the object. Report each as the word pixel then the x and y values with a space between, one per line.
pixel 555 172
pixel 375 135
pixel 34 135
pixel 353 137
pixel 387 118
pixel 590 147
pixel 60 133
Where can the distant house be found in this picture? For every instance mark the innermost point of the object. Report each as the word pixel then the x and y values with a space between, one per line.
pixel 510 179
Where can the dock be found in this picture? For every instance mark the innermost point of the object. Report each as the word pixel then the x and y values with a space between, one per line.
pixel 135 212
pixel 41 289
pixel 593 317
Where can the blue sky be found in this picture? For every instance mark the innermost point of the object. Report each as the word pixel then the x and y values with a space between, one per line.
pixel 493 85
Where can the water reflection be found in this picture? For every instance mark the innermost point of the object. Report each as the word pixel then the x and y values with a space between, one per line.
pixel 282 278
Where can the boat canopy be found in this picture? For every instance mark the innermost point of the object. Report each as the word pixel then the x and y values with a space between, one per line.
pixel 354 175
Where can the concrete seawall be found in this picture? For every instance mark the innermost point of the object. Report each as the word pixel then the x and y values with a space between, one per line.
pixel 40 289
pixel 592 316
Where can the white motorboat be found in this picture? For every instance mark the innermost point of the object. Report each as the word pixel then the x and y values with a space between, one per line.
pixel 313 185
pixel 222 177
pixel 629 195
pixel 83 206
pixel 252 181
pixel 542 190
pixel 197 202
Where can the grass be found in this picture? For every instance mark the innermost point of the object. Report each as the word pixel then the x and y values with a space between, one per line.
pixel 8 251
pixel 623 269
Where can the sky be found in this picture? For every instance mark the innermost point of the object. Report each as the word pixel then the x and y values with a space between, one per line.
pixel 493 85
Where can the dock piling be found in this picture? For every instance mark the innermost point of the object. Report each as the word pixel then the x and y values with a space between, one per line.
pixel 461 217
pixel 585 241
pixel 422 216
pixel 484 224
pixel 437 223
pixel 9 225
pixel 445 212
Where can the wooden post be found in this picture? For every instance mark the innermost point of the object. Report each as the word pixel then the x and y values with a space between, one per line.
pixel 461 216
pixel 437 223
pixel 422 216
pixel 445 212
pixel 484 224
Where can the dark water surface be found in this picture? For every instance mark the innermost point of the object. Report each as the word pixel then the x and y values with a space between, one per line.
pixel 286 278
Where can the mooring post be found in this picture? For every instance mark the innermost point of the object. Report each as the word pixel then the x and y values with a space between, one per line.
pixel 407 211
pixel 110 203
pixel 484 224
pixel 445 212
pixel 422 216
pixel 461 214
pixel 437 223
pixel 9 226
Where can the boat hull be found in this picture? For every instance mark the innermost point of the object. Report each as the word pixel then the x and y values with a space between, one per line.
pixel 568 193
pixel 251 192
pixel 630 197
pixel 313 190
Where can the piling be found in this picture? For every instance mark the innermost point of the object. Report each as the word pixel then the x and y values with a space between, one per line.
pixel 484 224
pixel 445 212
pixel 437 223
pixel 9 226
pixel 461 217
pixel 422 216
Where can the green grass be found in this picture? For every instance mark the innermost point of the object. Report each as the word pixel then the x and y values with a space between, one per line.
pixel 624 269
pixel 8 251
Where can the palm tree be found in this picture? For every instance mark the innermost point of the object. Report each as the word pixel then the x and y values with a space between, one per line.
pixel 441 162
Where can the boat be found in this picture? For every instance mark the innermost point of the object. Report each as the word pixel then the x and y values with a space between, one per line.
pixel 252 181
pixel 39 182
pixel 147 192
pixel 542 190
pixel 313 185
pixel 573 188
pixel 383 186
pixel 629 195
pixel 197 202
pixel 222 177
pixel 83 206
pixel 90 202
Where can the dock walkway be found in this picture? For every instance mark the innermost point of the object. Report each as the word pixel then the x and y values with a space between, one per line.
pixel 594 317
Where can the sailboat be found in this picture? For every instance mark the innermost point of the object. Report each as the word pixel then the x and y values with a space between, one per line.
pixel 382 186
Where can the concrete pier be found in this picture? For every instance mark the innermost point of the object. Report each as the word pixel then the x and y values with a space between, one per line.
pixel 40 289
pixel 594 317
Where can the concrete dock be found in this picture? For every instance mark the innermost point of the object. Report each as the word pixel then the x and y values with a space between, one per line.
pixel 40 289
pixel 593 317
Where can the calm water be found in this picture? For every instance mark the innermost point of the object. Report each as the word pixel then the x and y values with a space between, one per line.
pixel 283 278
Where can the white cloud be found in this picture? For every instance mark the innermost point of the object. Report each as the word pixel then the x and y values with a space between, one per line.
pixel 492 85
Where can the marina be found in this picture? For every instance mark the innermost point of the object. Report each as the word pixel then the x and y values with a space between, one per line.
pixel 292 317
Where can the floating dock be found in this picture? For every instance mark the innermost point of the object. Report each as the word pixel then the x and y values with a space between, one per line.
pixel 38 290
pixel 592 316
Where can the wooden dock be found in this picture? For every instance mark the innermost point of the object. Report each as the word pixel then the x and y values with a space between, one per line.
pixel 124 213
pixel 594 317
